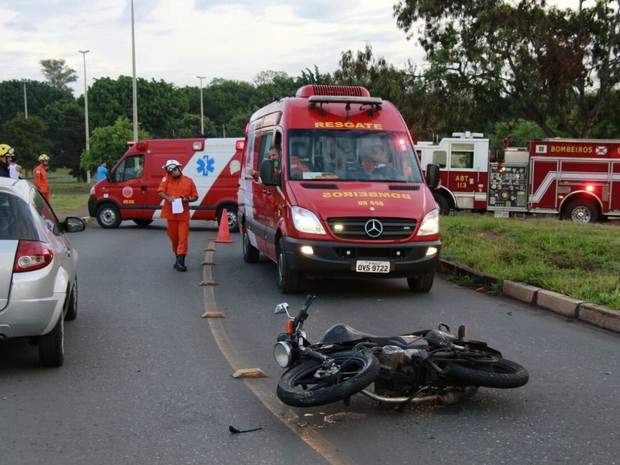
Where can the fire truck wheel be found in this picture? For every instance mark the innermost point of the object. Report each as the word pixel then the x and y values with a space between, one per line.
pixel 422 283
pixel 250 253
pixel 581 211
pixel 288 280
pixel 442 203
pixel 108 216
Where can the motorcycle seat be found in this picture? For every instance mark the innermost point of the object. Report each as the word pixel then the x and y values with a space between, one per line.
pixel 341 334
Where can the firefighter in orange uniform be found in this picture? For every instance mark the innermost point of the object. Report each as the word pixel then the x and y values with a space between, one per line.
pixel 40 176
pixel 177 191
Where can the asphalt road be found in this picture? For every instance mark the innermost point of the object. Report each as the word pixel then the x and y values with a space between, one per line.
pixel 148 380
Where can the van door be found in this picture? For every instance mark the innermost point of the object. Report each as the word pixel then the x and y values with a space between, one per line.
pixel 129 188
pixel 261 194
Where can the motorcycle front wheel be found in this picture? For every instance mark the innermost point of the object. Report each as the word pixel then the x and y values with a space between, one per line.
pixel 298 387
pixel 498 373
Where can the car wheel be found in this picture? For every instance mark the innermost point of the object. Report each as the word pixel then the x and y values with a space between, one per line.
pixel 108 216
pixel 72 305
pixel 52 346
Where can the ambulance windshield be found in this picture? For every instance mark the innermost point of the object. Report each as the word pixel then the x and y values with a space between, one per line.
pixel 351 155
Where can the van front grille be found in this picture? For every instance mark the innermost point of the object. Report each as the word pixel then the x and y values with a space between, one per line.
pixel 378 229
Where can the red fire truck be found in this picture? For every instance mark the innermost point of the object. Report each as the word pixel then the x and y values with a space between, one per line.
pixel 464 162
pixel 577 179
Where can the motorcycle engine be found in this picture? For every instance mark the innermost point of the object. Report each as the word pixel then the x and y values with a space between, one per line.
pixel 395 375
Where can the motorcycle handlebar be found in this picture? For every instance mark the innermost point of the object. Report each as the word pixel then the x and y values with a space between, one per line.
pixel 303 313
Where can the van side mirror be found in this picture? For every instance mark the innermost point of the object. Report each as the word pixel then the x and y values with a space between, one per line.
pixel 267 176
pixel 432 175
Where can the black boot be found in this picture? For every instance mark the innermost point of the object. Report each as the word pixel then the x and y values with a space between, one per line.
pixel 176 263
pixel 181 263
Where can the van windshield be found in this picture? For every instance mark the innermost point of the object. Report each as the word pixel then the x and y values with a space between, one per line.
pixel 351 155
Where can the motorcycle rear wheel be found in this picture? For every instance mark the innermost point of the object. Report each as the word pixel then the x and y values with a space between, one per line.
pixel 299 388
pixel 500 373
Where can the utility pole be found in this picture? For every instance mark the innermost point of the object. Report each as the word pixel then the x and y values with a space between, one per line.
pixel 84 52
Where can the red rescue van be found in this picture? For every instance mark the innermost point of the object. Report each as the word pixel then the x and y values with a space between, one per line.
pixel 348 198
pixel 129 191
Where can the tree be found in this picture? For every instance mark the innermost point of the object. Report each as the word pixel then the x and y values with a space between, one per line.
pixel 109 143
pixel 65 123
pixel 546 64
pixel 27 137
pixel 160 104
pixel 58 74
pixel 38 95
pixel 223 100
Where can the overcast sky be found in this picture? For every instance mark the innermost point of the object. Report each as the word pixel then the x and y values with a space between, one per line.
pixel 177 40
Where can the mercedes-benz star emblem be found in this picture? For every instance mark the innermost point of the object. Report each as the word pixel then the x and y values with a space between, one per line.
pixel 373 228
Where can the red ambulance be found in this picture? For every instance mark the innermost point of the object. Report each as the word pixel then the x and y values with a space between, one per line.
pixel 129 191
pixel 348 198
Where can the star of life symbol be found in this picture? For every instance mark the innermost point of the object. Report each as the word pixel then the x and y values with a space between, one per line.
pixel 206 165
pixel 601 150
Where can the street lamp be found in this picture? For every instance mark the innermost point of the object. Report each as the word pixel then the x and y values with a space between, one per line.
pixel 84 52
pixel 202 121
pixel 134 82
pixel 25 101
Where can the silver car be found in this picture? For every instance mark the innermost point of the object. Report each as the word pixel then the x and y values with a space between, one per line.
pixel 38 270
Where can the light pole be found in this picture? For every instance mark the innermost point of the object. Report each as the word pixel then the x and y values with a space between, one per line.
pixel 134 85
pixel 202 121
pixel 84 52
pixel 25 101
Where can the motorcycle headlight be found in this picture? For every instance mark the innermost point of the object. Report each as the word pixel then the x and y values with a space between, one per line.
pixel 283 354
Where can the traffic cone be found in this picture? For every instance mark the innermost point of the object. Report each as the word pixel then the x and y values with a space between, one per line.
pixel 223 233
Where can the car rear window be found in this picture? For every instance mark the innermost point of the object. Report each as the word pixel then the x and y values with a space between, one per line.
pixel 15 218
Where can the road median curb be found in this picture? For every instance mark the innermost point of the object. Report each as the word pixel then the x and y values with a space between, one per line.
pixel 594 314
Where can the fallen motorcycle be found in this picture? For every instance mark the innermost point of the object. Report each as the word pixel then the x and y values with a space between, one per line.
pixel 419 366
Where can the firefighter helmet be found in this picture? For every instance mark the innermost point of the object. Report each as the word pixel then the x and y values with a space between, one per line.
pixel 43 157
pixel 171 164
pixel 6 151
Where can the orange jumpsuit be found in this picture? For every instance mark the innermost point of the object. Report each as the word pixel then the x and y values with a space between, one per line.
pixel 40 181
pixel 177 223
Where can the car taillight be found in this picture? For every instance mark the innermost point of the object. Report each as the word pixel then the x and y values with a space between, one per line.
pixel 32 255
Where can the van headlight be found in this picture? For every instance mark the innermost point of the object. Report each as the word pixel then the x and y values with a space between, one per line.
pixel 430 223
pixel 307 222
pixel 283 354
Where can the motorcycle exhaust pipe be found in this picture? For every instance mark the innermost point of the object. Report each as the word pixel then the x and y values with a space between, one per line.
pixel 399 400
pixel 448 398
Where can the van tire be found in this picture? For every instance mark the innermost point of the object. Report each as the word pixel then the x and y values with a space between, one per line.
pixel 233 222
pixel 142 223
pixel 288 280
pixel 250 253
pixel 421 283
pixel 108 216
